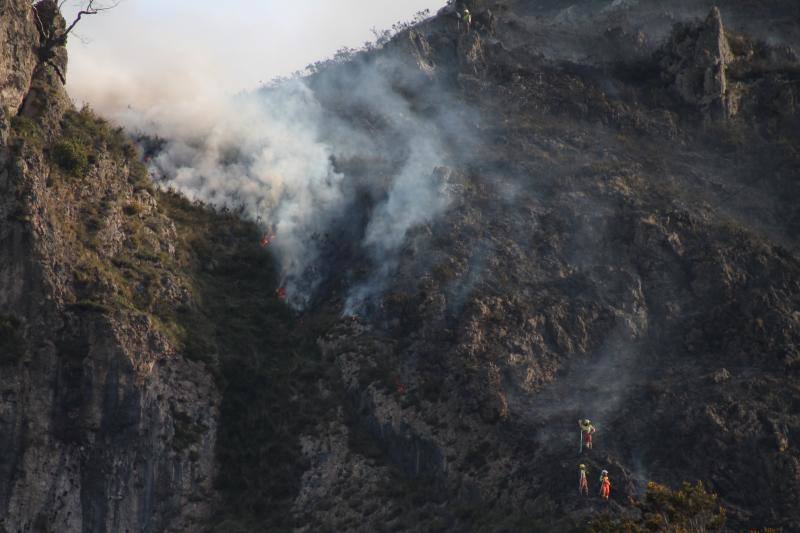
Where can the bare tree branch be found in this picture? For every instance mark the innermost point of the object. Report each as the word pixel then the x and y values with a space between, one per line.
pixel 81 38
pixel 51 39
pixel 42 29
pixel 91 9
pixel 58 71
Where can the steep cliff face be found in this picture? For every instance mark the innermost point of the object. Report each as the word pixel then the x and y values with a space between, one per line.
pixel 17 53
pixel 104 427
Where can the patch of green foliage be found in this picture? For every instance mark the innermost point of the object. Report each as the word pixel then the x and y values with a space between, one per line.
pixel 84 136
pixel 12 345
pixel 133 209
pixel 139 177
pixel 132 280
pixel 688 509
pixel 95 133
pixel 71 157
pixel 27 130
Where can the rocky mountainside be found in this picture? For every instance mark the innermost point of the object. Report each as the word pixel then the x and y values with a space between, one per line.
pixel 619 242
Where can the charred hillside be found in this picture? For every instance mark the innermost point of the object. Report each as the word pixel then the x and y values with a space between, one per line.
pixel 582 209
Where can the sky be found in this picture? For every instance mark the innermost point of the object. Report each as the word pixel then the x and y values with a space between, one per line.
pixel 231 45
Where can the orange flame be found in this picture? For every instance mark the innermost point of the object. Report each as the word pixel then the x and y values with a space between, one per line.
pixel 267 239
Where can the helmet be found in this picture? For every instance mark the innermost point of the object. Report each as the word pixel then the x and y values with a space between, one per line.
pixel 582 467
pixel 604 472
pixel 466 11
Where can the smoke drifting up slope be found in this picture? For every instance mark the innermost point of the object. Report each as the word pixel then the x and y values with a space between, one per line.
pixel 263 156
pixel 271 154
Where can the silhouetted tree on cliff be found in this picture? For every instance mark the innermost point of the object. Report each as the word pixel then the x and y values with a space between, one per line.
pixel 53 30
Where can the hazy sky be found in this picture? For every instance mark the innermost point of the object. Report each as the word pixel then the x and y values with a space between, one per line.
pixel 233 44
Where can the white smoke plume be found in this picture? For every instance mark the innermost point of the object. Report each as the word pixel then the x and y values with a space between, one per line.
pixel 418 193
pixel 263 155
pixel 271 154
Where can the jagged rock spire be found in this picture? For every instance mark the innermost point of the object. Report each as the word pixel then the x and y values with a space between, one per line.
pixel 697 61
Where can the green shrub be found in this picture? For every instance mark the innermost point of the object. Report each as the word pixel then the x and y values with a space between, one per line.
pixel 71 157
pixel 688 509
pixel 133 209
pixel 95 134
pixel 139 176
pixel 26 129
pixel 86 127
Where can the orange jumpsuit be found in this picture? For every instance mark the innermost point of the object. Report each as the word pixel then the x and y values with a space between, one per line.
pixel 605 487
pixel 583 486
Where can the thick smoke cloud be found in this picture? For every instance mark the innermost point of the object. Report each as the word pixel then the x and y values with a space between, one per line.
pixel 272 154
pixel 264 156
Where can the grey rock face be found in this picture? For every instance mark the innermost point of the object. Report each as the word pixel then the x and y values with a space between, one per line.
pixel 18 41
pixel 696 63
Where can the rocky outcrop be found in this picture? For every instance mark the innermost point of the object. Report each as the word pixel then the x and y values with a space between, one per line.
pixel 725 75
pixel 696 63
pixel 471 54
pixel 420 50
pixel 18 53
